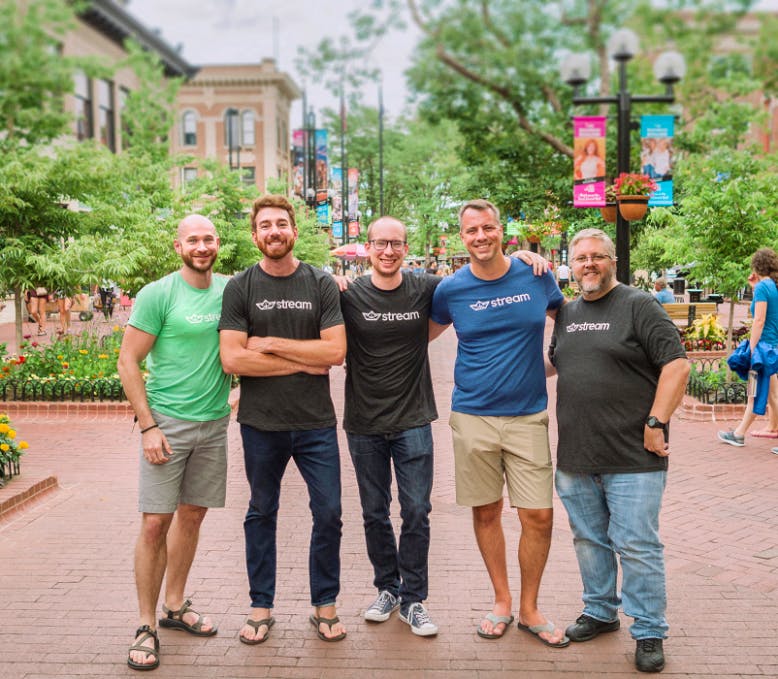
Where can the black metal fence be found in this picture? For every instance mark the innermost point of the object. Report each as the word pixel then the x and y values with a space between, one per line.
pixel 711 382
pixel 83 391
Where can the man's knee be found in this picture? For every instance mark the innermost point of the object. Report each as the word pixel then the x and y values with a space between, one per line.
pixel 537 520
pixel 191 515
pixel 486 515
pixel 154 528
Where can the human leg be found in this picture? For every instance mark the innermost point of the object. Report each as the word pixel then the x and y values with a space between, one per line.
pixel 487 525
pixel 771 429
pixel 150 563
pixel 634 502
pixel 317 457
pixel 587 509
pixel 370 455
pixel 266 455
pixel 412 453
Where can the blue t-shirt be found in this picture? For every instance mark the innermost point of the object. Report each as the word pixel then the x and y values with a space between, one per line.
pixel 665 296
pixel 499 366
pixel 765 291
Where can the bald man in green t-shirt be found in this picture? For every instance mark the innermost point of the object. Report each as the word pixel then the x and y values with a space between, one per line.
pixel 183 412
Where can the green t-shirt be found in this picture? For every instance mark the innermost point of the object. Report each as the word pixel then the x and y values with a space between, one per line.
pixel 186 379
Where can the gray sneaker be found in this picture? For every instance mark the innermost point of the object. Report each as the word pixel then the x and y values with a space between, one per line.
pixel 385 604
pixel 419 620
pixel 732 438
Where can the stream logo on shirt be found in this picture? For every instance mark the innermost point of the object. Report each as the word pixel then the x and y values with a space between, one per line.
pixel 480 305
pixel 390 316
pixel 268 305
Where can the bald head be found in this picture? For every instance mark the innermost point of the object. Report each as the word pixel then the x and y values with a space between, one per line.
pixel 386 221
pixel 191 222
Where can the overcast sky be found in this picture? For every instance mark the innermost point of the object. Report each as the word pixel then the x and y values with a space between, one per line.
pixel 241 31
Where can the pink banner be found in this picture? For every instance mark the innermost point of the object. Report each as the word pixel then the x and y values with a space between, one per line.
pixel 589 161
pixel 353 201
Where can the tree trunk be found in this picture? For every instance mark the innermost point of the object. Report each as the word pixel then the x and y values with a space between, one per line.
pixel 19 316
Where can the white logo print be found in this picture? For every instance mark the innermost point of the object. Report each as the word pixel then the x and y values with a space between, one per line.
pixel 390 316
pixel 196 319
pixel 267 305
pixel 480 305
pixel 584 327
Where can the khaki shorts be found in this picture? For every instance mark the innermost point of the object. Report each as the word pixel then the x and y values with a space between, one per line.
pixel 196 473
pixel 488 451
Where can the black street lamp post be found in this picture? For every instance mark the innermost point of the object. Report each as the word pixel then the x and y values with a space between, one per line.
pixel 669 68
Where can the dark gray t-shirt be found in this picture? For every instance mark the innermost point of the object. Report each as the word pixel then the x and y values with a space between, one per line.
pixel 608 354
pixel 388 384
pixel 298 306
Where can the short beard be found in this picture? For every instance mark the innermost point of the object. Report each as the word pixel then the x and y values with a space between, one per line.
pixel 276 253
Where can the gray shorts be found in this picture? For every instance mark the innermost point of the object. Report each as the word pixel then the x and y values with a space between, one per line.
pixel 196 473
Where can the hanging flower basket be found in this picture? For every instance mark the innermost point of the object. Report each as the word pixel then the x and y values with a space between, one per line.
pixel 633 208
pixel 608 213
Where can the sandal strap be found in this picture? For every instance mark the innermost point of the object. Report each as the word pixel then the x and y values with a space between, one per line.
pixel 145 633
pixel 177 615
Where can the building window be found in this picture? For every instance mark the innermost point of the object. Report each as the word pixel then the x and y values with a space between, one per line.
pixel 248 176
pixel 105 113
pixel 188 174
pixel 123 124
pixel 231 128
pixel 247 128
pixel 189 127
pixel 83 95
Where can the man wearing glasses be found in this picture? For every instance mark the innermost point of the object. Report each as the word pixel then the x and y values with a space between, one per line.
pixel 388 409
pixel 498 412
pixel 612 453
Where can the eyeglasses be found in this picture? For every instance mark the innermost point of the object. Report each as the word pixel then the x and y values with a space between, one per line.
pixel 380 244
pixel 594 259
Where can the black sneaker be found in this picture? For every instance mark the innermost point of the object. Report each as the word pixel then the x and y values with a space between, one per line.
pixel 649 655
pixel 586 628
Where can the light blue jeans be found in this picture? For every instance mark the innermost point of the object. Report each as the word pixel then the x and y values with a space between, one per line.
pixel 613 514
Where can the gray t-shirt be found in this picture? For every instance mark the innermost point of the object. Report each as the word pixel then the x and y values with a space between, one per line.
pixel 388 384
pixel 608 354
pixel 298 306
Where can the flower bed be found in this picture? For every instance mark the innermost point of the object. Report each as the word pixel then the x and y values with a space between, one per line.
pixel 74 367
pixel 11 449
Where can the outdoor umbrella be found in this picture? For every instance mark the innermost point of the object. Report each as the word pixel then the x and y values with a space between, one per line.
pixel 349 251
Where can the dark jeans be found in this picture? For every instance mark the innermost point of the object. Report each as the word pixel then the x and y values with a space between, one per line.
pixel 403 572
pixel 106 301
pixel 266 454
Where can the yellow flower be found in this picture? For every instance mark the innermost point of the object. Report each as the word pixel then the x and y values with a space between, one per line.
pixel 23 445
pixel 115 328
pixel 4 428
pixel 102 356
pixel 60 357
pixel 5 447
pixel 11 434
pixel 83 352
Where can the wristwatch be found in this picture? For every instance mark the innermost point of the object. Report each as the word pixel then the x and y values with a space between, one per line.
pixel 653 423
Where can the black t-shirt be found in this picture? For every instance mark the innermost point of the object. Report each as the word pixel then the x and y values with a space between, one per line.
pixel 388 384
pixel 608 354
pixel 298 306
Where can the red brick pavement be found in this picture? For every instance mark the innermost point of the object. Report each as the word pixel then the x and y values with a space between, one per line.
pixel 67 594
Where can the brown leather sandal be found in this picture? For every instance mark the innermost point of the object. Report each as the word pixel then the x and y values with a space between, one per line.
pixel 175 620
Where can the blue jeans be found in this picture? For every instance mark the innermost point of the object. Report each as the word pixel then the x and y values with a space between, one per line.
pixel 266 454
pixel 619 514
pixel 403 572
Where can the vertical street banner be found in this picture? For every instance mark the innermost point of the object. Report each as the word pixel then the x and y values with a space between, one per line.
pixel 322 177
pixel 353 201
pixel 337 202
pixel 298 163
pixel 589 161
pixel 656 155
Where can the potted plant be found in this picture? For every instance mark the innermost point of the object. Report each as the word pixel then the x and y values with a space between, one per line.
pixel 632 192
pixel 534 232
pixel 11 449
pixel 609 211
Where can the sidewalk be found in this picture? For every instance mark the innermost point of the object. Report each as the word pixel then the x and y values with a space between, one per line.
pixel 68 599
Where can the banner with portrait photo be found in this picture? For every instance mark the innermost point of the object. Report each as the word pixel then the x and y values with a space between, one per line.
pixel 337 200
pixel 298 163
pixel 656 155
pixel 353 201
pixel 589 161
pixel 322 177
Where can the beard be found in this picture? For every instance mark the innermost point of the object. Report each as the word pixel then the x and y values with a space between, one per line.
pixel 200 264
pixel 276 252
pixel 603 282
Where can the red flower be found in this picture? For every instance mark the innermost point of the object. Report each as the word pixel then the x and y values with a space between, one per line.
pixel 21 359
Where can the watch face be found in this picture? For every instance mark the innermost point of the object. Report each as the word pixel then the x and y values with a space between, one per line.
pixel 653 423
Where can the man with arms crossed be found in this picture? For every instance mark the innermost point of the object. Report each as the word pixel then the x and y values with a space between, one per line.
pixel 281 329
pixel 183 413
pixel 498 413
pixel 613 450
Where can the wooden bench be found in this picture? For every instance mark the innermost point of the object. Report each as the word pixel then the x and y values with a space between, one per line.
pixel 688 311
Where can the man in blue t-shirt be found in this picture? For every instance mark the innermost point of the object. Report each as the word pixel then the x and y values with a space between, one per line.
pixel 662 293
pixel 498 413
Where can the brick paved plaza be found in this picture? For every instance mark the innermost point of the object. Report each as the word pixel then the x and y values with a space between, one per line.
pixel 68 599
